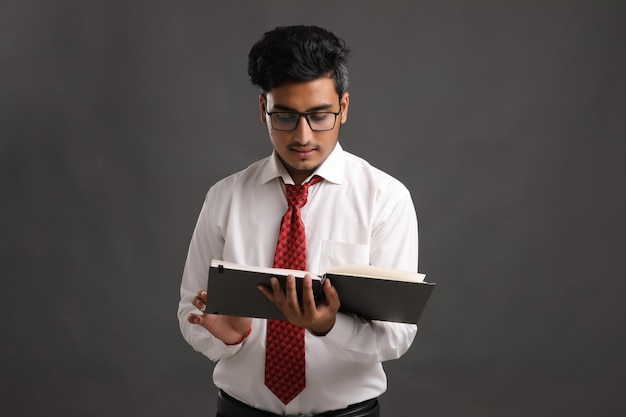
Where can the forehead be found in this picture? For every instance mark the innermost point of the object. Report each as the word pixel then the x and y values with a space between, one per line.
pixel 304 95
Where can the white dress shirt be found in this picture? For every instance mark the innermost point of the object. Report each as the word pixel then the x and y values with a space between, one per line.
pixel 357 215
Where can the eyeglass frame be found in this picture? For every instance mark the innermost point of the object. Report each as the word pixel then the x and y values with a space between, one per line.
pixel 306 117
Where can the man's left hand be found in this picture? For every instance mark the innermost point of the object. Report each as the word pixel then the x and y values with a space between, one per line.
pixel 319 319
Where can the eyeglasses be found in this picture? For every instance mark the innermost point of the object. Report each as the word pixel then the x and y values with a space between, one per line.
pixel 318 121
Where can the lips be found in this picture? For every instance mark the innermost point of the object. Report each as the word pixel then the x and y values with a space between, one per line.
pixel 303 152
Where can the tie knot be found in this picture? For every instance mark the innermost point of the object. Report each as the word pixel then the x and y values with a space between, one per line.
pixel 297 194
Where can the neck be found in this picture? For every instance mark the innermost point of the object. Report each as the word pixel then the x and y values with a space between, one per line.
pixel 298 176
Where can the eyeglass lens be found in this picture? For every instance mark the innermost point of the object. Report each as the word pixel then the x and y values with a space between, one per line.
pixel 289 120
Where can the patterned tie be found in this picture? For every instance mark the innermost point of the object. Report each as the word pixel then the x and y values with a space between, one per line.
pixel 284 352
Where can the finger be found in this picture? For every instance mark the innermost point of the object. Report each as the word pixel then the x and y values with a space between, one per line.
pixel 277 291
pixel 308 299
pixel 332 297
pixel 202 295
pixel 291 293
pixel 199 303
pixel 267 291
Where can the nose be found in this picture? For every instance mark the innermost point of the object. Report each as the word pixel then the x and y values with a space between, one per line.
pixel 303 132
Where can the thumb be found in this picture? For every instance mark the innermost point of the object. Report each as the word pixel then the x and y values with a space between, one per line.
pixel 195 319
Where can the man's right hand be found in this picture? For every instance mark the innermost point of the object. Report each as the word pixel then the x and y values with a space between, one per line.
pixel 229 329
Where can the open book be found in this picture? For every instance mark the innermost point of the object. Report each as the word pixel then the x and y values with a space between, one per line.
pixel 370 292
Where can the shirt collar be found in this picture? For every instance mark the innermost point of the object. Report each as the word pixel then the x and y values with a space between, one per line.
pixel 332 169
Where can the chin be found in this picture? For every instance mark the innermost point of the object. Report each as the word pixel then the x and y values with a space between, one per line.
pixel 300 164
pixel 305 166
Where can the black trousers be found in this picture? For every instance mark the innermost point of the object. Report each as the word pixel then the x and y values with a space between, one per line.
pixel 227 406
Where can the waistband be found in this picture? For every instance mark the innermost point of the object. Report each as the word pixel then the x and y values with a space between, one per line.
pixel 228 406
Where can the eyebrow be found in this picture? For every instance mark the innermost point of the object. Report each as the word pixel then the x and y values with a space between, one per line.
pixel 321 107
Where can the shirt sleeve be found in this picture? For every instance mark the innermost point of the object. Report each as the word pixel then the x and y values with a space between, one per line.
pixel 394 244
pixel 205 245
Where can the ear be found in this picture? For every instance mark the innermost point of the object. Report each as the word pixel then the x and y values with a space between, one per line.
pixel 345 102
pixel 263 108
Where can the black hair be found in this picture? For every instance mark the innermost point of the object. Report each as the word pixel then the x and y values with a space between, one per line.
pixel 297 54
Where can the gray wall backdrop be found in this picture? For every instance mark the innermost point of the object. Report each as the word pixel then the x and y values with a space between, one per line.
pixel 504 118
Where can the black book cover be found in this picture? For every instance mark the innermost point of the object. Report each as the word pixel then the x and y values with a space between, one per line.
pixel 232 290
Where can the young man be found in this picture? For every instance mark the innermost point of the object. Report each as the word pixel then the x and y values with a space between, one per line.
pixel 353 214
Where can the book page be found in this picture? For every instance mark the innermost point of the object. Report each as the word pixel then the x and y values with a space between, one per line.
pixel 269 271
pixel 369 271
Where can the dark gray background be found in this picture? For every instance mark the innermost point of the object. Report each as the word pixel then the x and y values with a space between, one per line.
pixel 504 118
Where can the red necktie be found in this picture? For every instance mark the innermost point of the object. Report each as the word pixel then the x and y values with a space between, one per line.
pixel 284 352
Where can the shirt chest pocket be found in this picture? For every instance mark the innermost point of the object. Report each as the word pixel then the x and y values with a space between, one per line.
pixel 335 253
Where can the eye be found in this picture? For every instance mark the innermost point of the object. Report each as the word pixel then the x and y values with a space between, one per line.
pixel 285 117
pixel 318 117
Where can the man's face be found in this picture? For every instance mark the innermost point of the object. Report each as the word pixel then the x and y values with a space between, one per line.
pixel 302 150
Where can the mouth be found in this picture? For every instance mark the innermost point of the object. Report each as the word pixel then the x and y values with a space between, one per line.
pixel 303 152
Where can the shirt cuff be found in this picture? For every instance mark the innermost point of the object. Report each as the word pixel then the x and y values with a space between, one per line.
pixel 341 332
